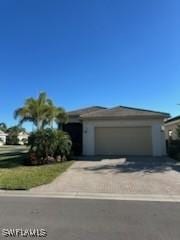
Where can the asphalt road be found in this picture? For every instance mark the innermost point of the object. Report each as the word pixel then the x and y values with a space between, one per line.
pixel 73 219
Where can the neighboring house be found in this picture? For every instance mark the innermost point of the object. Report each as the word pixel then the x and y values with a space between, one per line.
pixel 171 126
pixel 117 131
pixel 3 136
pixel 23 138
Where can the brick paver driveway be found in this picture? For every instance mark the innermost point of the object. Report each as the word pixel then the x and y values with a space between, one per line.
pixel 119 176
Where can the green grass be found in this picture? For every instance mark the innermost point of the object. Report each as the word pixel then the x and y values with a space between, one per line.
pixel 15 176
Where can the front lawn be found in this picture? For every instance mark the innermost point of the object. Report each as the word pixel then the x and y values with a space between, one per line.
pixel 14 175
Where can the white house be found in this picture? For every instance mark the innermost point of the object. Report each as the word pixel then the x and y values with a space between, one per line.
pixel 23 138
pixel 117 131
pixel 171 126
pixel 3 136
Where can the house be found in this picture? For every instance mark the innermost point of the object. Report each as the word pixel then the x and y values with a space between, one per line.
pixel 117 131
pixel 23 138
pixel 171 125
pixel 3 136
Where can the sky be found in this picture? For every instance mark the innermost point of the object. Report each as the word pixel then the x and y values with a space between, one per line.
pixel 90 52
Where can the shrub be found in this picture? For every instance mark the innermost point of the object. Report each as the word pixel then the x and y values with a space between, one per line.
pixel 178 131
pixel 63 144
pixel 12 139
pixel 174 149
pixel 49 145
pixel 25 141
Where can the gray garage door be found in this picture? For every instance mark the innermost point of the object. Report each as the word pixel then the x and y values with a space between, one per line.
pixel 123 141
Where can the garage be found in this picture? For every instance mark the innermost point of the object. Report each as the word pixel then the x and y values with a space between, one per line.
pixel 119 131
pixel 123 140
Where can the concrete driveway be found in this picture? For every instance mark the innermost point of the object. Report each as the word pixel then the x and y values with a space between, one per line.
pixel 131 175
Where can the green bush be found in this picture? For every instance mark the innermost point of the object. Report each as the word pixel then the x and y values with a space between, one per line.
pixel 49 145
pixel 12 139
pixel 174 149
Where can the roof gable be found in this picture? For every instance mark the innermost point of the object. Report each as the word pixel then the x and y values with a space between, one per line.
pixel 172 120
pixel 87 110
pixel 122 112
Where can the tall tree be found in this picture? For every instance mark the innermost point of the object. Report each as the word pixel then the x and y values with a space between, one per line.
pixel 61 116
pixel 3 127
pixel 41 112
pixel 16 129
pixel 57 115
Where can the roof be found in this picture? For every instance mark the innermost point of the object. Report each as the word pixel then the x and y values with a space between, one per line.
pixel 23 134
pixel 87 110
pixel 171 120
pixel 123 112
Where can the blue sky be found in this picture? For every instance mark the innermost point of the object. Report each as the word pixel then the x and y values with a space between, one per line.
pixel 90 52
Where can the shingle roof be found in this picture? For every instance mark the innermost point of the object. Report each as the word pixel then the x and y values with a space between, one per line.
pixel 122 111
pixel 172 119
pixel 85 111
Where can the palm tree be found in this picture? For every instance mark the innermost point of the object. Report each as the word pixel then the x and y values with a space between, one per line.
pixel 3 127
pixel 57 115
pixel 61 116
pixel 34 110
pixel 41 112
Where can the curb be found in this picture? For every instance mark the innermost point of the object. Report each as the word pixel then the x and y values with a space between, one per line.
pixel 95 196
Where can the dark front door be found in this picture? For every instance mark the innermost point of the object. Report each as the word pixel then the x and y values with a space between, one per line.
pixel 75 132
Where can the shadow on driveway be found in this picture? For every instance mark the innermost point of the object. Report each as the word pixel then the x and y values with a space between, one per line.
pixel 136 164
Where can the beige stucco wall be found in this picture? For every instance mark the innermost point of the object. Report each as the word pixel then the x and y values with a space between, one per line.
pixel 157 135
pixel 171 127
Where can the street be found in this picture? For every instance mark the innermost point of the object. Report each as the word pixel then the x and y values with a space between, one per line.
pixel 82 219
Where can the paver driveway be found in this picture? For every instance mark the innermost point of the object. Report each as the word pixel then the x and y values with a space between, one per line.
pixel 129 175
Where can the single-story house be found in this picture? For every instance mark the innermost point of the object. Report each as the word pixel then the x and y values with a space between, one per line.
pixel 23 138
pixel 3 136
pixel 171 125
pixel 117 131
